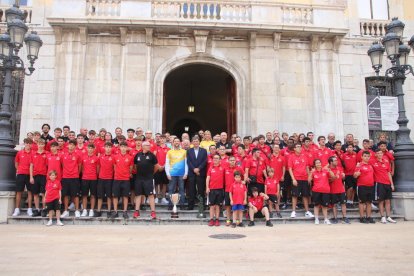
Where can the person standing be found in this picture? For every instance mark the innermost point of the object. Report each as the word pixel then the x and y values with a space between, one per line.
pixel 197 169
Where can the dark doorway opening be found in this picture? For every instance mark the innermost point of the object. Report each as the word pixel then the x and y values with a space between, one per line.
pixel 210 90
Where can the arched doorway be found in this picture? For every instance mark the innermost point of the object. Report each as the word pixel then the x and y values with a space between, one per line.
pixel 210 90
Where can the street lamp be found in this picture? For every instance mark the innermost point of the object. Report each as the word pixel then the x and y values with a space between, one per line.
pixel 10 43
pixel 397 52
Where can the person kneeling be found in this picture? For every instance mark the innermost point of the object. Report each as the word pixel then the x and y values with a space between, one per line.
pixel 256 208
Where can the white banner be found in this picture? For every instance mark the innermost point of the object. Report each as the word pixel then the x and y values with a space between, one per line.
pixel 389 113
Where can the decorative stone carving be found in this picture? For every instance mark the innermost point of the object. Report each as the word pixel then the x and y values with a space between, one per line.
pixel 276 40
pixel 58 35
pixel 252 40
pixel 83 34
pixel 149 36
pixel 200 37
pixel 123 31
pixel 315 42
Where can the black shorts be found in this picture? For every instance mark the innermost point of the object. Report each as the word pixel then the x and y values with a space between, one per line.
pixel 302 189
pixel 321 199
pixel 287 182
pixel 22 181
pixel 121 188
pixel 70 187
pixel 216 197
pixel 338 198
pixel 273 198
pixel 365 193
pixel 350 182
pixel 89 186
pixel 260 187
pixel 132 182
pixel 161 178
pixel 53 205
pixel 144 187
pixel 104 188
pixel 383 191
pixel 39 184
pixel 227 199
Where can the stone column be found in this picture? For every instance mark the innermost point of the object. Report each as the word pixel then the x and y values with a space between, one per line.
pixel 6 205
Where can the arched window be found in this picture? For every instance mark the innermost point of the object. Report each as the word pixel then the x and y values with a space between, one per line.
pixel 373 9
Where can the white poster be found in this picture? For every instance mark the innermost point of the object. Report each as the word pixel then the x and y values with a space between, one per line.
pixel 389 113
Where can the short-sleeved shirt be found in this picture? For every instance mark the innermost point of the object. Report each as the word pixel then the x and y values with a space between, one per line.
pixel 229 176
pixel 271 186
pixel 54 163
pixel 256 167
pixel 23 159
pixel 321 181
pixel 123 163
pixel 298 164
pixel 90 165
pixel 350 162
pixel 216 174
pixel 323 155
pixel 70 164
pixel 145 163
pixel 366 178
pixel 277 163
pixel 238 191
pixel 256 202
pixel 381 171
pixel 52 190
pixel 39 162
pixel 106 163
pixel 337 186
pixel 162 154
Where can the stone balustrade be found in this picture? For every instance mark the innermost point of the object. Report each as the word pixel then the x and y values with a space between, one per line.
pixel 375 28
pixel 103 7
pixel 27 11
pixel 297 15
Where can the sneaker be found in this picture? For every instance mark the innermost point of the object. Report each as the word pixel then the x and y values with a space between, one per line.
pixel 308 214
pixel 77 214
pixel 370 220
pixel 108 214
pixel 59 223
pixel 241 224
pixel 233 225
pixel 251 223
pixel 136 214
pixel 153 215
pixel 269 223
pixel 84 213
pixel 98 214
pixel 114 214
pixel 224 213
pixel 217 223
pixel 30 212
pixel 293 214
pixel 349 205
pixel 334 221
pixel 156 200
pixel 65 214
pixel 383 220
pixel 16 212
pixel 373 207
pixel 362 220
pixel 211 222
pixel 316 221
pixel 326 221
pixel 36 213
pixel 284 206
pixel 43 213
pixel 346 221
pixel 49 223
pixel 278 215
pixel 389 219
pixel 228 222
pixel 164 201
pixel 125 215
pixel 271 215
pixel 72 207
pixel 91 213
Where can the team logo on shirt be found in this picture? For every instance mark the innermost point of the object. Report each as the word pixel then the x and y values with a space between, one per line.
pixel 92 161
pixel 126 160
pixel 147 157
pixel 139 159
pixel 73 158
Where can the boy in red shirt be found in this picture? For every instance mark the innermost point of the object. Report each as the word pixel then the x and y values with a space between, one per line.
pixel 350 162
pixel 53 198
pixel 257 208
pixel 384 185
pixel 337 189
pixel 272 191
pixel 229 180
pixel 238 198
pixel 90 171
pixel 71 163
pixel 214 189
pixel 121 187
pixel 22 163
pixel 160 177
pixel 364 173
pixel 38 171
pixel 387 155
pixel 106 177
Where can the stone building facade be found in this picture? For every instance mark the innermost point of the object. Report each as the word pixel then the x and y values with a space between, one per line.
pixel 297 65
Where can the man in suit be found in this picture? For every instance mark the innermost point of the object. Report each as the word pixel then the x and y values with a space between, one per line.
pixel 197 164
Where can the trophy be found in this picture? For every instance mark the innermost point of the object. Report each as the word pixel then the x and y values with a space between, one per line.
pixel 175 198
pixel 200 214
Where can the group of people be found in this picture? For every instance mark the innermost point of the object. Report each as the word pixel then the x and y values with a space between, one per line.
pixel 262 174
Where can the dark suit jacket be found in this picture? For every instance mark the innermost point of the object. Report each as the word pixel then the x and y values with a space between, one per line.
pixel 199 162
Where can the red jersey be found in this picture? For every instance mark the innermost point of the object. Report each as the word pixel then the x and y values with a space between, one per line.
pixel 106 164
pixel 388 156
pixel 224 162
pixel 272 186
pixel 366 177
pixel 310 155
pixel 339 157
pixel 321 181
pixel 52 190
pixel 350 162
pixel 99 143
pixel 35 147
pixel 216 174
pixel 323 155
pixel 238 192
pixel 81 151
pixel 359 155
pixel 162 154
pixel 286 153
pixel 90 167
pixel 131 143
pixel 234 149
pixel 256 168
pixel 123 164
pixel 23 158
pixel 54 163
pixel 256 202
pixel 209 162
pixel 70 164
pixel 277 163
pixel 39 162
pixel 298 164
pixel 265 150
pixel 381 171
pixel 47 146
pixel 134 152
pixel 229 176
pixel 337 186
pixel 153 147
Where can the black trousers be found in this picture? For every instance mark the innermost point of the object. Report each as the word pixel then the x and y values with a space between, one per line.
pixel 196 187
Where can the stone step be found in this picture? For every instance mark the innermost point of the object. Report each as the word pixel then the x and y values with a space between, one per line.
pixel 164 220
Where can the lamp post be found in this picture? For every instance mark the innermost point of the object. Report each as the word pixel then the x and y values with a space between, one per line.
pixel 10 44
pixel 397 52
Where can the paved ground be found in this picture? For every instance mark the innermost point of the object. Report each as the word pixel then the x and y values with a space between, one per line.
pixel 187 250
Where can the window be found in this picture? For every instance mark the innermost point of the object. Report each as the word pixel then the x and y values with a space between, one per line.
pixel 373 9
pixel 20 2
